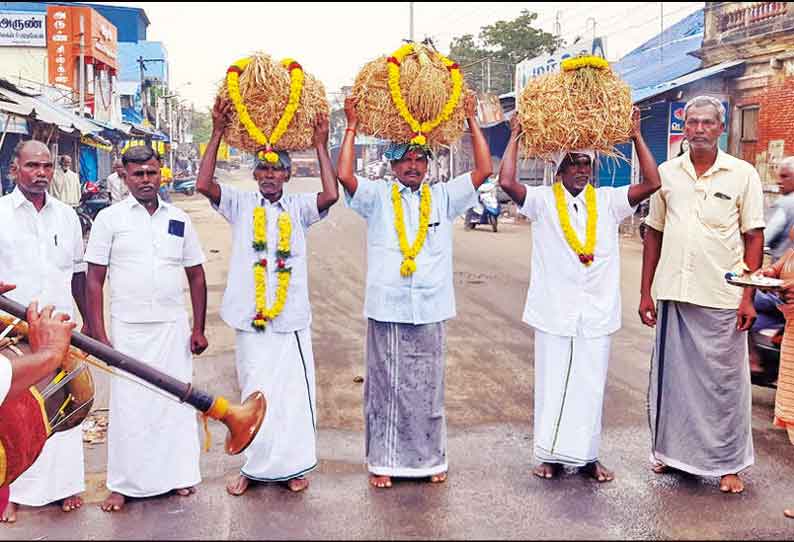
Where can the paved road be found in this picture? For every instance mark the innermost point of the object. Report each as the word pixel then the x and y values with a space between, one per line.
pixel 490 493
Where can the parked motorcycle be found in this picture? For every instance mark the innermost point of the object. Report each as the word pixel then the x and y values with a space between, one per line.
pixel 487 209
pixel 92 200
pixel 184 183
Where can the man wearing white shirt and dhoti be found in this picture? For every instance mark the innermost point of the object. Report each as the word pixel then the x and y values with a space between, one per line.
pixel 65 185
pixel 573 302
pixel 408 299
pixel 267 303
pixel 41 251
pixel 148 247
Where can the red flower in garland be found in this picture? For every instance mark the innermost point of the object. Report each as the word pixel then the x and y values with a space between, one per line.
pixel 281 264
pixel 263 262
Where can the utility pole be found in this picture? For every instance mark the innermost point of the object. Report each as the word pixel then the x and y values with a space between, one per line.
pixel 557 24
pixel 82 66
pixel 661 32
pixel 411 20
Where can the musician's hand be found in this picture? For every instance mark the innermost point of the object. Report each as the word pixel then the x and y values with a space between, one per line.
pixel 198 342
pixel 48 332
pixel 6 287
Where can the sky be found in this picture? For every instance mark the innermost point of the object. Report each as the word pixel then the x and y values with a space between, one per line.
pixel 332 41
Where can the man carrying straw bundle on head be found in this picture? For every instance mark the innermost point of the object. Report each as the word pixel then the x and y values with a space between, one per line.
pixel 574 297
pixel 267 302
pixel 409 296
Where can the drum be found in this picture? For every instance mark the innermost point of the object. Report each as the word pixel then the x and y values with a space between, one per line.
pixel 59 402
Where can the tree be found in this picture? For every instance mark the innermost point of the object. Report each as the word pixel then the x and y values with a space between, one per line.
pixel 201 126
pixel 500 46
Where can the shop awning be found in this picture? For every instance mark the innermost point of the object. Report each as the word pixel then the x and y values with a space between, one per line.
pixel 15 100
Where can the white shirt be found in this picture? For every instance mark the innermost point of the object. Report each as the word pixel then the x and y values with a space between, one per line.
pixel 239 302
pixel 146 256
pixel 5 377
pixel 118 188
pixel 565 297
pixel 428 295
pixel 66 187
pixel 40 251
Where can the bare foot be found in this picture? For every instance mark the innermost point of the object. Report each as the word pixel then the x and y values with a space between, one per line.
pixel 185 491
pixel 439 478
pixel 298 484
pixel 660 468
pixel 380 481
pixel 546 470
pixel 71 503
pixel 731 483
pixel 9 514
pixel 237 486
pixel 789 512
pixel 599 472
pixel 114 502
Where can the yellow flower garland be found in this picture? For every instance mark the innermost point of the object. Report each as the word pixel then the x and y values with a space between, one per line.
pixel 421 128
pixel 296 88
pixel 586 252
pixel 576 63
pixel 283 273
pixel 410 253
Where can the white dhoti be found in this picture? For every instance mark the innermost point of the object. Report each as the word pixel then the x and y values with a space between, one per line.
pixel 280 365
pixel 153 441
pixel 58 473
pixel 570 379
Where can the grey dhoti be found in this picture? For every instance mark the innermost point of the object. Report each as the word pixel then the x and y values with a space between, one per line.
pixel 406 431
pixel 699 397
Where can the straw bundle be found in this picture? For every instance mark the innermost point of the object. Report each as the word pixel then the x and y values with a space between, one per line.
pixel 585 108
pixel 425 84
pixel 265 88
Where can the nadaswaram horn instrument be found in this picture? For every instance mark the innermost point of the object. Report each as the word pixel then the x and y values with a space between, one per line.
pixel 243 421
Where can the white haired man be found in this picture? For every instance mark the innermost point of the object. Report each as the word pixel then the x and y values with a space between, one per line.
pixel 707 219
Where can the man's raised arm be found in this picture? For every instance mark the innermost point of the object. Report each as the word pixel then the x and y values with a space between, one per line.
pixel 205 182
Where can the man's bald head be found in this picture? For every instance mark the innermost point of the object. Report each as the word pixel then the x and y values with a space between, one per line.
pixel 30 146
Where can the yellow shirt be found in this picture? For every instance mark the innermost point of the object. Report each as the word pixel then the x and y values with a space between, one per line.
pixel 703 220
pixel 165 175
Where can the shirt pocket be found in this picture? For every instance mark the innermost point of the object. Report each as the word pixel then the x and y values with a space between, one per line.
pixel 436 233
pixel 718 210
pixel 171 248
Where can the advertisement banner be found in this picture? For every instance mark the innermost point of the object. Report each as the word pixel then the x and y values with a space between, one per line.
pixel 60 53
pixel 541 65
pixel 23 29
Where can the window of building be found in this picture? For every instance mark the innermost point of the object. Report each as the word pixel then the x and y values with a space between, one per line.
pixel 750 123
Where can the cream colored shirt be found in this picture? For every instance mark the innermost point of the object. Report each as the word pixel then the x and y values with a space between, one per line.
pixel 6 373
pixel 703 220
pixel 66 187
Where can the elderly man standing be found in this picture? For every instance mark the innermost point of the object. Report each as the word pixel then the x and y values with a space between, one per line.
pixel 117 182
pixel 41 251
pixel 267 303
pixel 409 297
pixel 574 298
pixel 65 184
pixel 149 247
pixel 706 220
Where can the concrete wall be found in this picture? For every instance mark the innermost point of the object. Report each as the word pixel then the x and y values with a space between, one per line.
pixel 27 62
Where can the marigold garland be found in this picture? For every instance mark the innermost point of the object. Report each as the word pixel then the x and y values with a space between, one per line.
pixel 576 63
pixel 410 252
pixel 586 252
pixel 296 88
pixel 421 128
pixel 283 273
